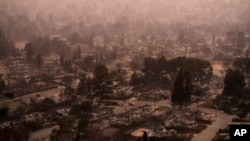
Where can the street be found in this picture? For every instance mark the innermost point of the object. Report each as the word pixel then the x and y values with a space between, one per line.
pixel 42 134
pixel 206 135
pixel 121 109
pixel 12 103
pixel 221 121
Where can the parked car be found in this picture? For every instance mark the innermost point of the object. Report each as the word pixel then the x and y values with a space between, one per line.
pixel 131 104
pixel 16 99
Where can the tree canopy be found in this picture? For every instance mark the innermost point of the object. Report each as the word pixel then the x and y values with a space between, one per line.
pixel 161 71
pixel 85 86
pixel 2 85
pixel 183 88
pixel 243 64
pixel 201 70
pixel 102 83
pixel 234 83
pixel 29 51
pixel 6 46
pixel 14 133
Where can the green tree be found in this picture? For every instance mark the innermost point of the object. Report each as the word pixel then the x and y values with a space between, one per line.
pixel 135 64
pixel 135 79
pixel 145 136
pixel 243 64
pixel 69 93
pixel 19 111
pixel 67 80
pixel 119 74
pixel 83 108
pixel 183 89
pixel 6 47
pixel 200 70
pixel 9 95
pixel 88 63
pixel 188 85
pixel 4 112
pixel 149 67
pixel 66 121
pixel 85 86
pixel 62 134
pixel 67 65
pixel 39 60
pixel 158 70
pixel 91 41
pixel 42 45
pixel 83 124
pixel 29 51
pixel 78 52
pixel 83 112
pixel 102 83
pixel 234 83
pixel 14 133
pixel 178 89
pixel 62 60
pixel 242 110
pixel 2 85
pixel 154 69
pixel 42 106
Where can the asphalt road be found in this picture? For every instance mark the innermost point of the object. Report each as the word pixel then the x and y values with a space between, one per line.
pixel 221 121
pixel 42 134
pixel 206 135
pixel 12 103
pixel 121 109
pixel 52 93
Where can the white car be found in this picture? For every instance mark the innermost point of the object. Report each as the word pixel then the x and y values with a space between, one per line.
pixel 16 99
pixel 131 104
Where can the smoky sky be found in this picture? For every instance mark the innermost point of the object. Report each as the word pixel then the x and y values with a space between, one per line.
pixel 191 11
